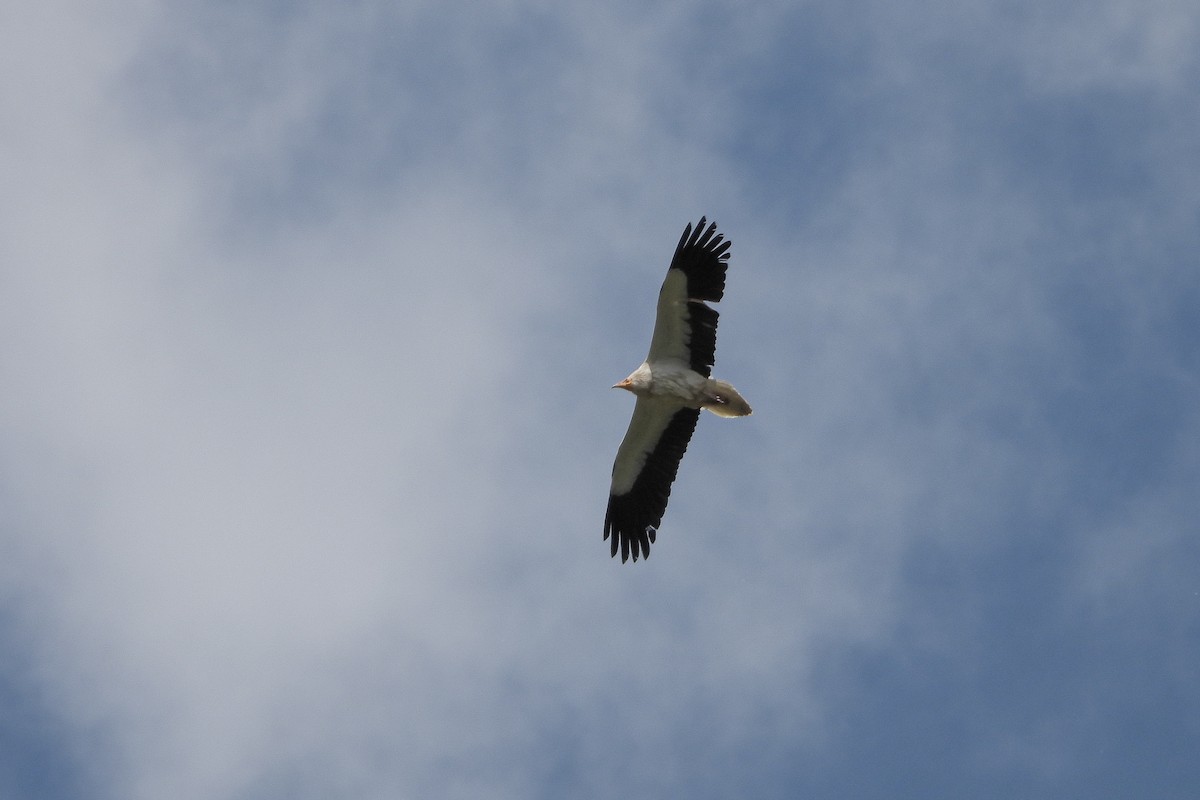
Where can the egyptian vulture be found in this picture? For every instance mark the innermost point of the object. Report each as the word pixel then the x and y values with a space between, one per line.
pixel 671 385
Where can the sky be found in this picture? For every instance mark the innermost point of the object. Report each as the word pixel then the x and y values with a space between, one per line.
pixel 308 317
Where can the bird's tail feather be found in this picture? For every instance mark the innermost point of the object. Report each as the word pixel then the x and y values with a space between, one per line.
pixel 724 400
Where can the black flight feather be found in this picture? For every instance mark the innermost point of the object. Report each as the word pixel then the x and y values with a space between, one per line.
pixel 633 518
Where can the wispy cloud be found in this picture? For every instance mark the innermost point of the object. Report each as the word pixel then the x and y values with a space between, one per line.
pixel 308 316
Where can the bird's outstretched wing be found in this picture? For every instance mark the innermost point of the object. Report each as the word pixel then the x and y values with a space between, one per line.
pixel 646 465
pixel 685 328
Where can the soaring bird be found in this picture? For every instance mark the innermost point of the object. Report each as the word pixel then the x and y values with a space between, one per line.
pixel 671 385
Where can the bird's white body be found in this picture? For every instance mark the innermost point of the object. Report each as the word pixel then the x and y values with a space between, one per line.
pixel 675 383
pixel 662 388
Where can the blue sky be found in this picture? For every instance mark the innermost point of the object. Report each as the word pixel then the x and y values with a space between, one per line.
pixel 308 315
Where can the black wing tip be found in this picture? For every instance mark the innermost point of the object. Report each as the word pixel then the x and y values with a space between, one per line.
pixel 631 543
pixel 702 237
pixel 628 530
pixel 703 255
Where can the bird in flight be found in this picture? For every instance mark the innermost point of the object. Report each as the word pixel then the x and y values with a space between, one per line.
pixel 671 385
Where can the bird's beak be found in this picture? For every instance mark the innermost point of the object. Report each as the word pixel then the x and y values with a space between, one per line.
pixel 622 385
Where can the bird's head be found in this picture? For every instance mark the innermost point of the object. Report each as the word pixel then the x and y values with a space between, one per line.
pixel 626 384
pixel 638 381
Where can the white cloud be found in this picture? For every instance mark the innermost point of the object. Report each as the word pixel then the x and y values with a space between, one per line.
pixel 310 314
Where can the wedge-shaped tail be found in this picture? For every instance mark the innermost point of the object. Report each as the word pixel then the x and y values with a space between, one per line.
pixel 725 401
